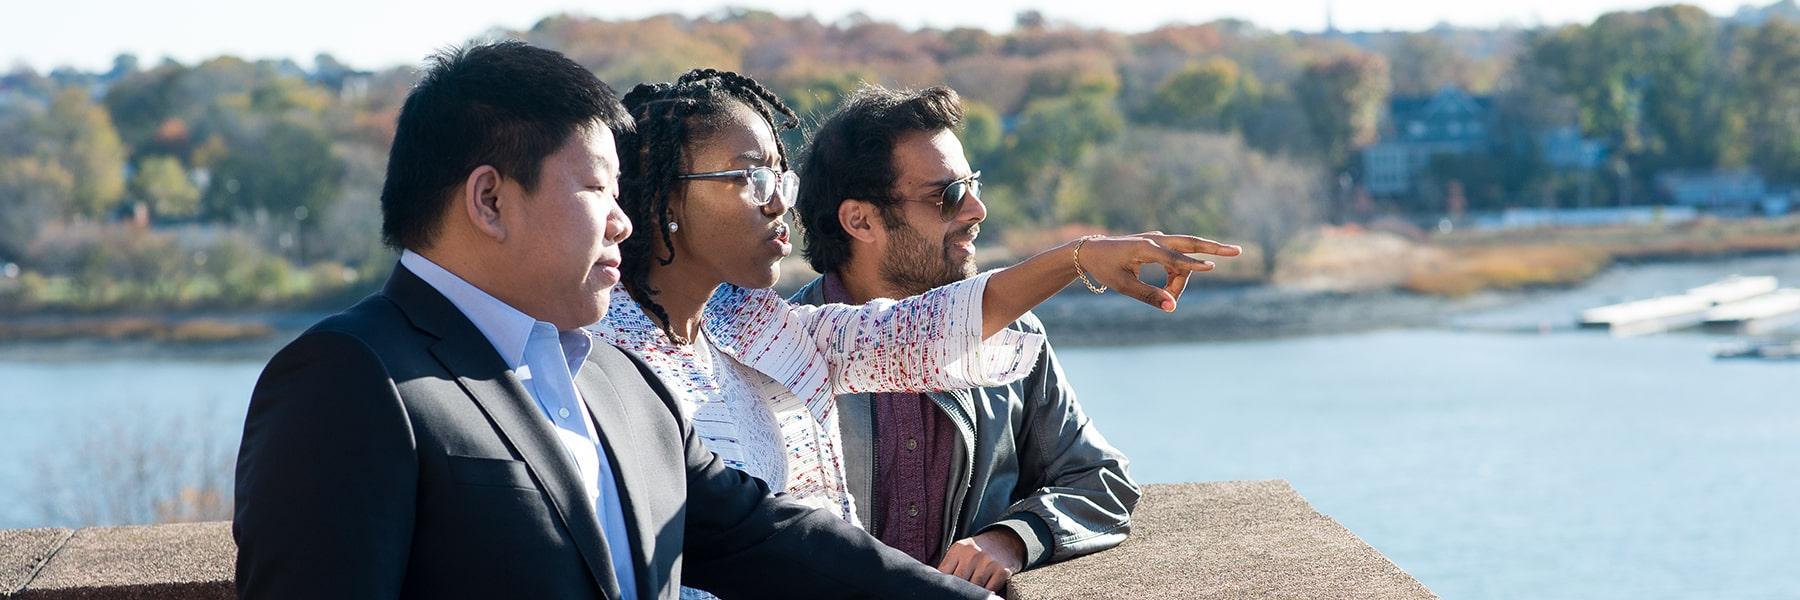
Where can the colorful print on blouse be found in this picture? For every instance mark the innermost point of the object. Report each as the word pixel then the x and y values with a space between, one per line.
pixel 761 387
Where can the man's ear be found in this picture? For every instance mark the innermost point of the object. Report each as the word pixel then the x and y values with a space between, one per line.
pixel 860 219
pixel 480 202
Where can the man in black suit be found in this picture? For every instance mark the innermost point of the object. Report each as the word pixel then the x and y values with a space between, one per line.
pixel 457 435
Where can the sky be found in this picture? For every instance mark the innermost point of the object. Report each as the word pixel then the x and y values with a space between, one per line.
pixel 368 34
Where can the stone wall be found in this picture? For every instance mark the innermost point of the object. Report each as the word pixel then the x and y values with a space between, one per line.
pixel 1191 540
pixel 1244 539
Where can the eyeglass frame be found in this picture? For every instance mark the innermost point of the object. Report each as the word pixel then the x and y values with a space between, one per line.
pixel 947 207
pixel 748 174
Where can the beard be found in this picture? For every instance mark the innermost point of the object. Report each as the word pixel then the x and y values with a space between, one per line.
pixel 916 264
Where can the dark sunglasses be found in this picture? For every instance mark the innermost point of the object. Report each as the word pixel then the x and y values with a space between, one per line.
pixel 765 182
pixel 950 201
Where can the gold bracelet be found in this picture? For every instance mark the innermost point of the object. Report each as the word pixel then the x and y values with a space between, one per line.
pixel 1082 273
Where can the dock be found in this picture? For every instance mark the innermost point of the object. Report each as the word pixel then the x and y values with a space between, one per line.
pixel 1736 288
pixel 1642 317
pixel 1757 316
pixel 1748 305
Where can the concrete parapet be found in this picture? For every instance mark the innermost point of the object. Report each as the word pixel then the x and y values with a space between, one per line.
pixel 1244 539
pixel 1254 539
pixel 142 562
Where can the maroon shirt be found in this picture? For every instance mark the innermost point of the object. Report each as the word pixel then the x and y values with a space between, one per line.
pixel 914 445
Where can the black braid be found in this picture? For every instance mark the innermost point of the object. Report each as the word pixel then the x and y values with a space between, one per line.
pixel 670 117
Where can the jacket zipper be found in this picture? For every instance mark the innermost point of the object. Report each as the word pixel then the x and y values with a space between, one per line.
pixel 966 424
pixel 875 510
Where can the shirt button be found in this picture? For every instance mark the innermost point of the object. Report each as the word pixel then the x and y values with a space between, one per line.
pixel 563 412
pixel 912 443
pixel 912 510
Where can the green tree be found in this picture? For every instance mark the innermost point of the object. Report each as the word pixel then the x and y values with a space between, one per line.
pixel 1342 98
pixel 30 190
pixel 1771 83
pixel 1163 179
pixel 1071 74
pixel 161 182
pixel 142 103
pixel 1059 131
pixel 1651 83
pixel 1423 63
pixel 982 133
pixel 287 173
pixel 79 135
pixel 813 96
pixel 1050 136
pixel 1196 97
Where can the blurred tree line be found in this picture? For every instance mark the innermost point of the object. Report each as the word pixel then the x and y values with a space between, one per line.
pixel 1672 88
pixel 1219 128
pixel 223 183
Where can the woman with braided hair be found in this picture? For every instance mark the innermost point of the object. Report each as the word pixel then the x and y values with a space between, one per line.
pixel 705 179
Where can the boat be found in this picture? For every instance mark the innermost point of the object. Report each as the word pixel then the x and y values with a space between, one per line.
pixel 1789 350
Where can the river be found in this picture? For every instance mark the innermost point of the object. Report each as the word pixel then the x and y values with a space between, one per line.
pixel 1486 457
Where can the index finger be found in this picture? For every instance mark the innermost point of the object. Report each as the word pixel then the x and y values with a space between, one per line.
pixel 1175 261
pixel 1188 244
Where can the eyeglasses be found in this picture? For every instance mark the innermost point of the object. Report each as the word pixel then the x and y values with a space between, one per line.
pixel 951 201
pixel 765 182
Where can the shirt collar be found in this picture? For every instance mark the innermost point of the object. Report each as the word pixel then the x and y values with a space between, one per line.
pixel 505 327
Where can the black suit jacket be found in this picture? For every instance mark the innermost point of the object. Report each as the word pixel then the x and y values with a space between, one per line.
pixel 390 453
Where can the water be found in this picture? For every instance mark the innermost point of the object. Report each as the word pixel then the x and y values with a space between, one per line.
pixel 1490 465
pixel 1486 463
pixel 56 415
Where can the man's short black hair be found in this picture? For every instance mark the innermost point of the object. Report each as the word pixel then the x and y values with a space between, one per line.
pixel 852 156
pixel 504 104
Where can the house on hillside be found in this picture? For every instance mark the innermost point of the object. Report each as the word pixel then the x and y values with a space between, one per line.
pixel 1729 192
pixel 1417 128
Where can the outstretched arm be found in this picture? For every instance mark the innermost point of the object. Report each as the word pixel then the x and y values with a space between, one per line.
pixel 1110 261
pixel 952 337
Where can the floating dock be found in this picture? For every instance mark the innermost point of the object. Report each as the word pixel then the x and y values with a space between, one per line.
pixel 1742 304
pixel 1757 316
pixel 1735 289
pixel 1655 315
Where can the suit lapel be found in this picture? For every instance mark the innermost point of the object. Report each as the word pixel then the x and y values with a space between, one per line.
pixel 479 370
pixel 612 419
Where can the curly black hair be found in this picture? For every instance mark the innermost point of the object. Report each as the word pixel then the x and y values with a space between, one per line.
pixel 852 156
pixel 669 118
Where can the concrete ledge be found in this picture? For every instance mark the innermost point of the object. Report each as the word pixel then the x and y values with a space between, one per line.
pixel 1250 539
pixel 188 560
pixel 23 553
pixel 1192 540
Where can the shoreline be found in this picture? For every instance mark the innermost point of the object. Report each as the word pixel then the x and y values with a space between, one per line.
pixel 1222 311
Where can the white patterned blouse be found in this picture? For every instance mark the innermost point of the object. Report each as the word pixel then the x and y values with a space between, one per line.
pixel 760 382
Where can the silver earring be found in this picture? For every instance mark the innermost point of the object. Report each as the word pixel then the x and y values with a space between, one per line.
pixel 674 227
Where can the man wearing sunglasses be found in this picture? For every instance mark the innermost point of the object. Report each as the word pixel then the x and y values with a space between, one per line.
pixel 985 482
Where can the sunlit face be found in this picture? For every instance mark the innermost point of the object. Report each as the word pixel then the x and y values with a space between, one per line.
pixel 923 250
pixel 563 241
pixel 721 229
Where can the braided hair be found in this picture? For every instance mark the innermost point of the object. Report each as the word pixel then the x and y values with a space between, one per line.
pixel 670 117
